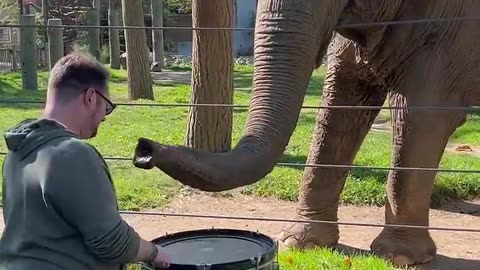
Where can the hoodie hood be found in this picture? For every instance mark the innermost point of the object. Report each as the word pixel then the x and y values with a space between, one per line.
pixel 30 134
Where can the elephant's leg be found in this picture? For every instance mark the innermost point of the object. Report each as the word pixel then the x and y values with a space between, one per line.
pixel 419 140
pixel 338 135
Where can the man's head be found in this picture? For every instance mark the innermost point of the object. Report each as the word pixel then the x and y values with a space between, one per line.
pixel 78 94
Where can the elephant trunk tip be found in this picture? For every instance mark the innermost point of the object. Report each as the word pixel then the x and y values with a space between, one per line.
pixel 144 154
pixel 206 171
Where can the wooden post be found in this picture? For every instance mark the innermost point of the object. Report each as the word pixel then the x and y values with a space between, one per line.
pixel 14 49
pixel 157 35
pixel 93 33
pixel 55 42
pixel 114 37
pixel 28 52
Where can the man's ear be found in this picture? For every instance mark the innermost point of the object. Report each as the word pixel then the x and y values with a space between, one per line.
pixel 90 98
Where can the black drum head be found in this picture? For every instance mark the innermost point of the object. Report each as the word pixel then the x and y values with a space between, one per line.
pixel 218 249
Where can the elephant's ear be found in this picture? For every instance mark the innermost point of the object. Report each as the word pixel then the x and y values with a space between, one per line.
pixel 343 14
pixel 322 51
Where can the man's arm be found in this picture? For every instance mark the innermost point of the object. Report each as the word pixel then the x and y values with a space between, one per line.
pixel 79 188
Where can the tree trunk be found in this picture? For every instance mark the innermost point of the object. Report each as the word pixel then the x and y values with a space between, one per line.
pixel 157 35
pixel 114 38
pixel 139 77
pixel 210 128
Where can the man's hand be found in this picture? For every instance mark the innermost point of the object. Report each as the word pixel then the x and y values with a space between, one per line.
pixel 162 259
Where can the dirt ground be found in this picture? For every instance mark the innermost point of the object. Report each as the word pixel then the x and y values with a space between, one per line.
pixel 457 250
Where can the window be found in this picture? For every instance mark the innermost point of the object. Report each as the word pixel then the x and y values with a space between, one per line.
pixel 5 35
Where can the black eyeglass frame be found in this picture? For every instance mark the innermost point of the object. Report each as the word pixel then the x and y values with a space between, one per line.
pixel 110 105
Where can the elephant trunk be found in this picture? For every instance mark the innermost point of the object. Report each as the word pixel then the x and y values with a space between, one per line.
pixel 286 38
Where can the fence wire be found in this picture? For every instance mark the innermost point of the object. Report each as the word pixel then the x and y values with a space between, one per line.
pixel 337 166
pixel 341 223
pixel 336 107
pixel 355 25
pixel 186 28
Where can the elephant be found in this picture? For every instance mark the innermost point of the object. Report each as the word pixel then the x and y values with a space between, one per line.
pixel 415 64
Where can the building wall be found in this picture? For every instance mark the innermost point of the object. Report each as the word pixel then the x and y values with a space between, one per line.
pixel 182 39
pixel 244 17
pixel 5 32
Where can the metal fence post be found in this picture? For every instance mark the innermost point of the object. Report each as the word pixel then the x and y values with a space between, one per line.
pixel 55 42
pixel 14 49
pixel 93 33
pixel 114 34
pixel 28 52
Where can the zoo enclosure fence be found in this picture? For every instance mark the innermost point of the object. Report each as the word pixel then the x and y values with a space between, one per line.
pixel 418 21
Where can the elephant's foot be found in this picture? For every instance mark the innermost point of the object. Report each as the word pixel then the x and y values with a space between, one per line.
pixel 404 248
pixel 308 235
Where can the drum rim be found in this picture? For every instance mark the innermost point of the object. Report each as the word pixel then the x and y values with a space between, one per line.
pixel 266 257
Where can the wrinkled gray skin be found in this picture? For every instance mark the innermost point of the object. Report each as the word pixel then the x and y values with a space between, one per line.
pixel 433 64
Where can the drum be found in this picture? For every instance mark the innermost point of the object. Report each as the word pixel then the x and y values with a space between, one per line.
pixel 215 249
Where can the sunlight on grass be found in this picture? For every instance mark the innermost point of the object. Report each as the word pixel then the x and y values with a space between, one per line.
pixel 139 189
pixel 323 259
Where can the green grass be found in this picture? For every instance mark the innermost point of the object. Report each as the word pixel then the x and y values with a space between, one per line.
pixel 139 189
pixel 324 259
pixel 147 189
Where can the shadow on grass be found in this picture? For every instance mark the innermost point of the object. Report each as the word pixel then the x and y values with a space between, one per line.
pixel 380 176
pixel 240 110
pixel 315 87
pixel 440 262
pixel 242 81
pixel 360 173
pixel 470 129
pixel 475 113
pixel 11 96
pixel 114 78
pixel 21 106
pixel 179 68
pixel 6 86
pixel 167 83
pixel 460 207
pixel 299 159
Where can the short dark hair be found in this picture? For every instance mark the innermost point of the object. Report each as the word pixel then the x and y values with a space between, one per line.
pixel 75 73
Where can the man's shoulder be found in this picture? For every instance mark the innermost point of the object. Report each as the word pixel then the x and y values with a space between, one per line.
pixel 75 154
pixel 74 148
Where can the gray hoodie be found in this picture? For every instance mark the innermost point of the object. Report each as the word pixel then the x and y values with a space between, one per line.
pixel 59 204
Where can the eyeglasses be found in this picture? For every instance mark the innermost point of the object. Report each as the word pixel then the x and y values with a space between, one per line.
pixel 110 106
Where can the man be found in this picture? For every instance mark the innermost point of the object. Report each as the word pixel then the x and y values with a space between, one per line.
pixel 59 202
